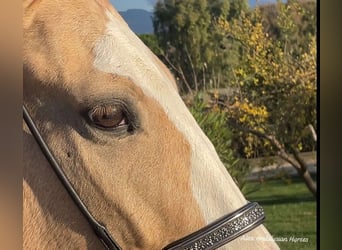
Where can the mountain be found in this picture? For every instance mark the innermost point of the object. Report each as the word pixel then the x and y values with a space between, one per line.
pixel 140 21
pixel 253 3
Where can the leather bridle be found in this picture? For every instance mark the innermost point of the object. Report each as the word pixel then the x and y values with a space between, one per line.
pixel 212 236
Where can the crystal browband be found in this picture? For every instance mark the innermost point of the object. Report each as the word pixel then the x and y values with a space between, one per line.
pixel 223 230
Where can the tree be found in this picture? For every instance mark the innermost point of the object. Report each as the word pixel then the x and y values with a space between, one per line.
pixel 275 106
pixel 291 23
pixel 190 41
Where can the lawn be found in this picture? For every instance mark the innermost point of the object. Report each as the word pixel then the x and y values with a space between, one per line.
pixel 290 211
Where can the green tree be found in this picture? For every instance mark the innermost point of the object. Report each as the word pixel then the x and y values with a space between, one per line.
pixel 191 44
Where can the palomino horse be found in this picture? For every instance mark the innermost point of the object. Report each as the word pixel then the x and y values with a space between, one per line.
pixel 110 113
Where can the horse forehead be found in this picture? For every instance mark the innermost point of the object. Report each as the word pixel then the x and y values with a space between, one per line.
pixel 119 51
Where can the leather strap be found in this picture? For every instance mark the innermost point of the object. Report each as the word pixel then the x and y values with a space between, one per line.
pixel 223 230
pixel 99 229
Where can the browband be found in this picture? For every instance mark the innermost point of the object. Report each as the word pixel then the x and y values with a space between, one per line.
pixel 223 230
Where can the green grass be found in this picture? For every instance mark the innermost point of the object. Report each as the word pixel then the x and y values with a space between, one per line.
pixel 290 211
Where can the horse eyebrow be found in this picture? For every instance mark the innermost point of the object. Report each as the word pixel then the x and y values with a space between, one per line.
pixel 118 95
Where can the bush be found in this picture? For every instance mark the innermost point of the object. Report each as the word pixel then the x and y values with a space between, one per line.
pixel 213 122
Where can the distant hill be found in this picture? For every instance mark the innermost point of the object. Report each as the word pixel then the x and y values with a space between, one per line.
pixel 140 21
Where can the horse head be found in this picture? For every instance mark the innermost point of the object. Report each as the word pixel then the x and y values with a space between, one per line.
pixel 111 113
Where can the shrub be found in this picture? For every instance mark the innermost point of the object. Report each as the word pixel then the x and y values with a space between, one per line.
pixel 213 121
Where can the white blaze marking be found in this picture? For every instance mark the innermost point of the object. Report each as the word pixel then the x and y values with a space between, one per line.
pixel 120 52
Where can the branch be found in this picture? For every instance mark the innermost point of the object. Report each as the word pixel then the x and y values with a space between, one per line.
pixel 180 72
pixel 298 163
pixel 192 67
pixel 313 132
pixel 309 129
pixel 300 160
pixel 304 172
pixel 273 140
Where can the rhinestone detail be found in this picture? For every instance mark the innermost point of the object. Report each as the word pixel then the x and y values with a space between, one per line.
pixel 228 229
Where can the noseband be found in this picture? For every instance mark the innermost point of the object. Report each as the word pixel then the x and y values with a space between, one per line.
pixel 212 236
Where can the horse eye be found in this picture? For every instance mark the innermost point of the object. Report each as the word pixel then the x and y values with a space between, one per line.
pixel 107 116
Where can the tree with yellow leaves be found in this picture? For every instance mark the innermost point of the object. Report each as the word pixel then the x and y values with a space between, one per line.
pixel 275 105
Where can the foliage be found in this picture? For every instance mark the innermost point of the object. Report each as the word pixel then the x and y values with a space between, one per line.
pixel 277 87
pixel 274 112
pixel 190 41
pixel 151 41
pixel 292 23
pixel 213 122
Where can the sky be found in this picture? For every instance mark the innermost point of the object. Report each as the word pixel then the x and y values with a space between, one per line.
pixel 123 5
